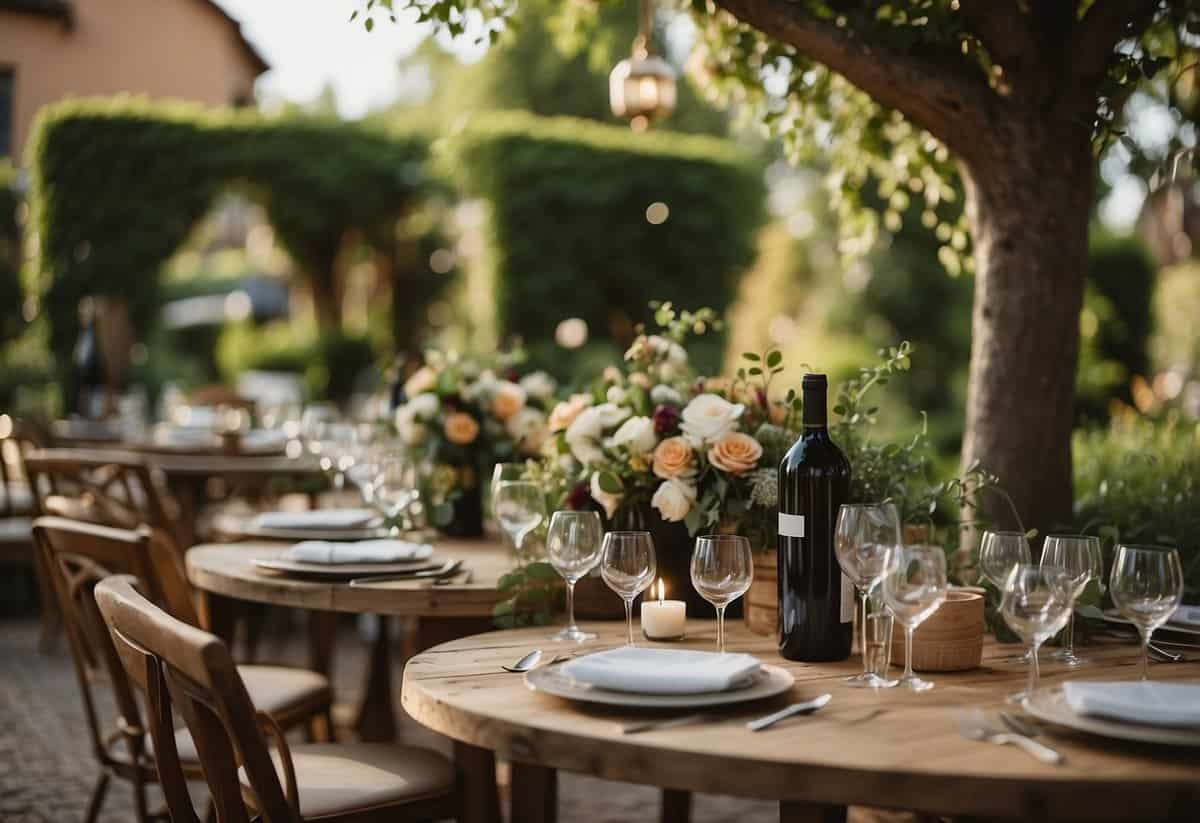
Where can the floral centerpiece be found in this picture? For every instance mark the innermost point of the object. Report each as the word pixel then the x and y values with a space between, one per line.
pixel 464 414
pixel 653 443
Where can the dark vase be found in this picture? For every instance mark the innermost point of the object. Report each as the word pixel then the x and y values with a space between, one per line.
pixel 468 511
pixel 673 552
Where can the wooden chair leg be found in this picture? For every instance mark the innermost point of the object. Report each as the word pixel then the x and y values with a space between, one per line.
pixel 793 812
pixel 97 801
pixel 534 794
pixel 676 806
pixel 377 716
pixel 322 641
pixel 480 795
pixel 50 618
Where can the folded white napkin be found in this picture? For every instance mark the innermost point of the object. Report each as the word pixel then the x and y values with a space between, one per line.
pixel 184 436
pixel 316 519
pixel 1156 703
pixel 663 671
pixel 1186 616
pixel 263 439
pixel 360 551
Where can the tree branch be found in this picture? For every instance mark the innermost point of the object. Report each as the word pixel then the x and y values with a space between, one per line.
pixel 948 101
pixel 1002 27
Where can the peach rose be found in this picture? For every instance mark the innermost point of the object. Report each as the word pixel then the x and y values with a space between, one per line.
pixel 735 452
pixel 422 380
pixel 564 413
pixel 507 400
pixel 460 428
pixel 674 458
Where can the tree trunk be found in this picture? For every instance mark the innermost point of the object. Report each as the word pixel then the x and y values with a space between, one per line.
pixel 1028 198
pixel 327 301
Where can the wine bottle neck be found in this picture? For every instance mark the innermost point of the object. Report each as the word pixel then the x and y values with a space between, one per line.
pixel 816 415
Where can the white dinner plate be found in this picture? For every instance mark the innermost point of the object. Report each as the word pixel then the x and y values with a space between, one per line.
pixel 1050 705
pixel 769 682
pixel 250 530
pixel 346 571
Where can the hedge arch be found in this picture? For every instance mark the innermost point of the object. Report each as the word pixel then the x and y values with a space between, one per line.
pixel 118 184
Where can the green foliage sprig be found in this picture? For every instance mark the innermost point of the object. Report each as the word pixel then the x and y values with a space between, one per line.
pixel 530 596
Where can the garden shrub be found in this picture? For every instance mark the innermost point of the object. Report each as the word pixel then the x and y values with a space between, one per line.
pixel 118 184
pixel 330 363
pixel 11 322
pixel 1138 481
pixel 569 232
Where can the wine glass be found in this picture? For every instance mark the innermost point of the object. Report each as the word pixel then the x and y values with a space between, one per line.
pixel 628 567
pixel 864 535
pixel 504 473
pixel 520 508
pixel 395 485
pixel 1078 557
pixel 336 442
pixel 1146 584
pixel 999 552
pixel 573 545
pixel 722 569
pixel 1035 603
pixel 913 588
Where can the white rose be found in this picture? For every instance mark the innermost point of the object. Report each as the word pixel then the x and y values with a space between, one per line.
pixel 708 417
pixel 606 500
pixel 674 499
pixel 585 432
pixel 423 406
pixel 528 428
pixel 636 434
pixel 539 385
pixel 412 433
pixel 665 395
pixel 667 350
pixel 615 395
pixel 484 385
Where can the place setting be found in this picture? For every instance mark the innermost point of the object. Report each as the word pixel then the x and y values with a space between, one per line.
pixel 647 673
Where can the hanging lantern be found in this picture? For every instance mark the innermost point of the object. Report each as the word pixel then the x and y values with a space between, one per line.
pixel 642 88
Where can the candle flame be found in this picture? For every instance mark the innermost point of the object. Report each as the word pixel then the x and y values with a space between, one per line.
pixel 662 591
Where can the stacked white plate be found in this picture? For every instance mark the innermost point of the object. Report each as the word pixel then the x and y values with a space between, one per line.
pixel 1144 711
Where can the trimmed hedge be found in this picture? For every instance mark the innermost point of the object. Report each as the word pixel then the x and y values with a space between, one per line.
pixel 11 297
pixel 569 232
pixel 118 184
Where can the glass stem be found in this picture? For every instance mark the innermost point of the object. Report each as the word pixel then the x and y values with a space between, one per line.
pixel 1033 670
pixel 862 634
pixel 339 481
pixel 571 604
pixel 629 620
pixel 1145 633
pixel 1071 634
pixel 908 644
pixel 721 629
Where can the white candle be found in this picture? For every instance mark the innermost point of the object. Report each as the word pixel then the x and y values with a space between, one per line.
pixel 663 619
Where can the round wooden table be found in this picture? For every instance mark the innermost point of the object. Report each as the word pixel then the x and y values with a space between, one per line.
pixel 225 572
pixel 890 748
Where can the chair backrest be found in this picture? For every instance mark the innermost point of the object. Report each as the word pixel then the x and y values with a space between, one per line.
pixel 109 487
pixel 73 576
pixel 17 439
pixel 182 667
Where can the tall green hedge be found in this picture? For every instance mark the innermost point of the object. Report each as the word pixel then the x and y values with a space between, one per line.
pixel 117 185
pixel 11 299
pixel 569 232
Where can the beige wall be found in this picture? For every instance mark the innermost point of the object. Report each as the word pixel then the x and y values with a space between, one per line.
pixel 162 48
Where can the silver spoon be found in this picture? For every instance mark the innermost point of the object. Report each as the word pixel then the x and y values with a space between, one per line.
pixel 525 663
pixel 807 707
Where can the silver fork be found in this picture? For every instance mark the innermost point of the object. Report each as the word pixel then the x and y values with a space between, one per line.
pixel 974 725
pixel 1018 725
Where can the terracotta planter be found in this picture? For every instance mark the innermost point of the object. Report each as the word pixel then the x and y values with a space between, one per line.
pixel 762 601
pixel 950 640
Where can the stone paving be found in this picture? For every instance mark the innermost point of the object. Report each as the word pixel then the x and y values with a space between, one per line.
pixel 47 769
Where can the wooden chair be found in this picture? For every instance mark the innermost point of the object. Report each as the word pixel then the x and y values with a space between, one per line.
pixel 79 554
pixel 179 666
pixel 17 555
pixel 108 487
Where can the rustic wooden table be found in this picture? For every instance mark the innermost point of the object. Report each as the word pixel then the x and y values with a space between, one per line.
pixel 890 748
pixel 226 573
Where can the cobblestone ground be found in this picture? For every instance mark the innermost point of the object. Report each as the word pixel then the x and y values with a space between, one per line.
pixel 47 769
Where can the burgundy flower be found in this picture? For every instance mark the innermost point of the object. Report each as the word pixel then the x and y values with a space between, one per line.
pixel 579 497
pixel 762 398
pixel 512 376
pixel 452 401
pixel 666 420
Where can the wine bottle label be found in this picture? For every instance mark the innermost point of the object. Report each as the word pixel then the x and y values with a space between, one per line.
pixel 847 600
pixel 791 525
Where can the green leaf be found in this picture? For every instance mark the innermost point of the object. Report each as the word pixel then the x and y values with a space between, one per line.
pixel 751 356
pixel 774 358
pixel 510 581
pixel 610 483
pixel 502 608
pixel 541 571
pixel 755 371
pixel 369 23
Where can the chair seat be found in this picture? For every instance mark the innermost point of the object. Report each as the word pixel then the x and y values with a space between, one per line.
pixel 335 779
pixel 16 530
pixel 282 691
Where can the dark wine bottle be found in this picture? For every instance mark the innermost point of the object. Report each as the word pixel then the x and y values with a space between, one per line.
pixel 816 601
